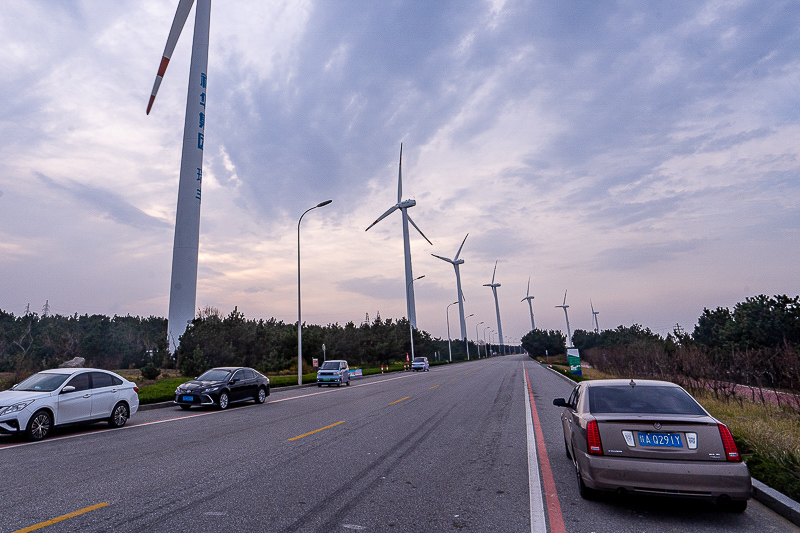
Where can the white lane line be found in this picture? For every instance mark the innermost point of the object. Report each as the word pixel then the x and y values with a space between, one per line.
pixel 538 522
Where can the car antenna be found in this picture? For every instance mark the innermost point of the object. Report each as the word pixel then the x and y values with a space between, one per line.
pixel 632 383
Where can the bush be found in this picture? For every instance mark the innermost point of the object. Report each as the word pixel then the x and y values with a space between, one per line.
pixel 150 371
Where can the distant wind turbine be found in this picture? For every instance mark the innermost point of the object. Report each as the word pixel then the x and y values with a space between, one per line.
pixel 494 286
pixel 456 262
pixel 530 303
pixel 565 306
pixel 594 315
pixel 183 284
pixel 403 207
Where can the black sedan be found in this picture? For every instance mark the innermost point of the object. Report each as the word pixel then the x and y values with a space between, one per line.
pixel 223 386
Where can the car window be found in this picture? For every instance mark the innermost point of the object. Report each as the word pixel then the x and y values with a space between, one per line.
pixel 42 382
pixel 655 399
pixel 239 374
pixel 80 382
pixel 248 374
pixel 573 398
pixel 116 381
pixel 419 359
pixel 101 379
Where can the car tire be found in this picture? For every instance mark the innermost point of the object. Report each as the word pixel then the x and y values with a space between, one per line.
pixel 566 449
pixel 261 396
pixel 348 383
pixel 319 385
pixel 39 425
pixel 224 399
pixel 735 506
pixel 186 407
pixel 119 415
pixel 585 492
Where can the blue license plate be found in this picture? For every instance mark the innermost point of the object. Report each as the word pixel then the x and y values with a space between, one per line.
pixel 187 398
pixel 661 439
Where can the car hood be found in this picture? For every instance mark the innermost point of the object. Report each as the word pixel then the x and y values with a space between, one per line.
pixel 199 385
pixel 10 397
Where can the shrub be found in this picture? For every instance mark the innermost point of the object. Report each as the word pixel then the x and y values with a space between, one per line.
pixel 150 371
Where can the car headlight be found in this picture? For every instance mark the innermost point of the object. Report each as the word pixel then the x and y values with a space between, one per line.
pixel 179 391
pixel 16 407
pixel 212 389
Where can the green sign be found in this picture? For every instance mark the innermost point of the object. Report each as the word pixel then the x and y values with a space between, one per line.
pixel 574 360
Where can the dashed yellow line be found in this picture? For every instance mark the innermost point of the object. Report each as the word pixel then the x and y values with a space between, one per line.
pixel 62 518
pixel 433 387
pixel 315 431
pixel 453 379
pixel 400 400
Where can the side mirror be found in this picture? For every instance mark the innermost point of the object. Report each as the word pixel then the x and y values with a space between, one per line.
pixel 560 402
pixel 68 388
pixel 234 380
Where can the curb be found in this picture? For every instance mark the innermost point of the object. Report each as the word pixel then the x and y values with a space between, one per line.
pixel 778 502
pixel 767 496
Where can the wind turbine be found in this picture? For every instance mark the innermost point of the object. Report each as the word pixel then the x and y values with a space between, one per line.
pixel 456 262
pixel 494 286
pixel 530 303
pixel 565 306
pixel 183 284
pixel 403 207
pixel 594 315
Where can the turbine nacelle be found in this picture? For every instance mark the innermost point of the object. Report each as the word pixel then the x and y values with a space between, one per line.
pixel 406 204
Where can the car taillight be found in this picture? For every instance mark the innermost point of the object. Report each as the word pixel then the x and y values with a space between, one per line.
pixel 136 389
pixel 731 451
pixel 593 438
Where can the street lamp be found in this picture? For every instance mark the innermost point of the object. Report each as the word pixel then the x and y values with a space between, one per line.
pixel 466 339
pixel 476 338
pixel 299 317
pixel 485 346
pixel 449 348
pixel 410 327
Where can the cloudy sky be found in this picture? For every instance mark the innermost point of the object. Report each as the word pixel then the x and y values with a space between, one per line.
pixel 640 155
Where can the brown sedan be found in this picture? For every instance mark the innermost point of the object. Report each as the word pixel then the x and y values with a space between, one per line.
pixel 650 437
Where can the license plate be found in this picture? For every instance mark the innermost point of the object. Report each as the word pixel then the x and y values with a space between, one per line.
pixel 661 439
pixel 187 398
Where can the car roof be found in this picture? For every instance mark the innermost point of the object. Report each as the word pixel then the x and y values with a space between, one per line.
pixel 335 361
pixel 73 370
pixel 636 382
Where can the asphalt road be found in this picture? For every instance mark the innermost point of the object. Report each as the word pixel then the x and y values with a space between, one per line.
pixel 446 450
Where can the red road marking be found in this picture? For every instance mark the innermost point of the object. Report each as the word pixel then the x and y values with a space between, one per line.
pixel 553 506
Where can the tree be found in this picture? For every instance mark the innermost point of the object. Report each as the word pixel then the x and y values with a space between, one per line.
pixel 541 343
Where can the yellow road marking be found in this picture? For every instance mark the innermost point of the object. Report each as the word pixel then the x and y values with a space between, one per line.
pixel 453 379
pixel 433 387
pixel 400 400
pixel 62 518
pixel 315 431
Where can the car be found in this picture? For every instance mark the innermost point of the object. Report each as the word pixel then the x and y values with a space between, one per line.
pixel 333 371
pixel 420 363
pixel 65 396
pixel 222 386
pixel 650 437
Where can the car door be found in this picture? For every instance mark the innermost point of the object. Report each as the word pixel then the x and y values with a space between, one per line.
pixel 104 394
pixel 75 406
pixel 238 385
pixel 345 372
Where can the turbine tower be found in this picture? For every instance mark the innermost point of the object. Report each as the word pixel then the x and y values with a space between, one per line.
pixel 183 283
pixel 403 207
pixel 565 306
pixel 456 262
pixel 530 303
pixel 594 315
pixel 494 286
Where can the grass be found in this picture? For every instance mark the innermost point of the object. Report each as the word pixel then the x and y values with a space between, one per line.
pixel 768 436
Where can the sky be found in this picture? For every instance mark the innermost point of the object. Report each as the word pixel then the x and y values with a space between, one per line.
pixel 640 155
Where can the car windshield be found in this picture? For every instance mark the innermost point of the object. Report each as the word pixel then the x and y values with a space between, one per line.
pixel 215 374
pixel 419 359
pixel 642 399
pixel 42 382
pixel 330 365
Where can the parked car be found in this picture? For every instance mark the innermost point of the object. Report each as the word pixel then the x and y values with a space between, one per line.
pixel 223 386
pixel 333 372
pixel 420 363
pixel 650 437
pixel 64 396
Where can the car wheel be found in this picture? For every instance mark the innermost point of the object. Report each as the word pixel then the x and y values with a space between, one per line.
pixel 319 385
pixel 39 425
pixel 735 506
pixel 223 400
pixel 566 449
pixel 262 395
pixel 339 384
pixel 119 415
pixel 585 492
pixel 186 407
pixel 348 383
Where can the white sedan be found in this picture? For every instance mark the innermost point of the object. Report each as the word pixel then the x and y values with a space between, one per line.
pixel 66 396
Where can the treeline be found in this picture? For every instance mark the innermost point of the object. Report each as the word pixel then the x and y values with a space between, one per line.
pixel 30 343
pixel 749 350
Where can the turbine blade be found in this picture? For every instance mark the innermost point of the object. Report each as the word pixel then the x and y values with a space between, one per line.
pixel 387 213
pixel 419 230
pixel 494 272
pixel 400 177
pixel 442 258
pixel 529 287
pixel 565 298
pixel 460 247
pixel 181 14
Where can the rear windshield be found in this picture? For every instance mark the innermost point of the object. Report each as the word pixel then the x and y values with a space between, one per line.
pixel 419 359
pixel 657 399
pixel 330 365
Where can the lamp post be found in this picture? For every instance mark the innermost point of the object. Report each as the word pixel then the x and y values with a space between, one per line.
pixel 299 316
pixel 466 340
pixel 476 338
pixel 411 327
pixel 449 347
pixel 485 346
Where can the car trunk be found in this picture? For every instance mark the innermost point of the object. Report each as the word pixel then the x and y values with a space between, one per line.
pixel 661 437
